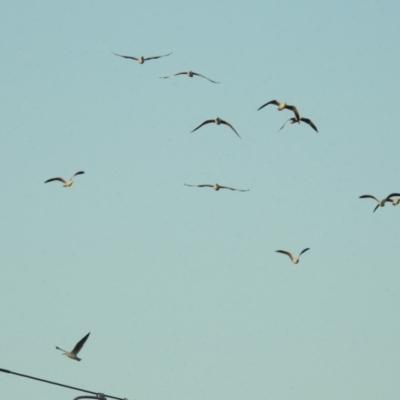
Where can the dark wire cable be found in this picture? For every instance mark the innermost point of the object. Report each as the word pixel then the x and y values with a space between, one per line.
pixel 60 384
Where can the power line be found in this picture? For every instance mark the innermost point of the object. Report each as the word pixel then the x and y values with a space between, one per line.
pixel 98 395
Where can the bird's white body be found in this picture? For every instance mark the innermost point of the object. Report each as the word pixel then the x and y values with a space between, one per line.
pixel 394 202
pixel 70 355
pixel 68 183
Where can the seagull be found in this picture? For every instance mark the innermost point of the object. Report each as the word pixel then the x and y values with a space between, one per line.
pixel 282 106
pixel 294 259
pixel 381 203
pixel 190 74
pixel 217 187
pixel 66 183
pixel 217 121
pixel 74 353
pixel 394 201
pixel 141 59
pixel 306 120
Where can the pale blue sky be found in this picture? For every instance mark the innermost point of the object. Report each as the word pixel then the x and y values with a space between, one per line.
pixel 181 288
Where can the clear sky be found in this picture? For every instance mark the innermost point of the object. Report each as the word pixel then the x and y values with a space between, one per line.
pixel 181 287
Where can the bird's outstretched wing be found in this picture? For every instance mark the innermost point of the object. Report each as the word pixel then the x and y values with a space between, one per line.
pixel 392 195
pixel 294 109
pixel 56 179
pixel 155 57
pixel 203 123
pixel 288 253
pixel 369 196
pixel 130 57
pixel 270 102
pixel 79 345
pixel 78 173
pixel 304 251
pixel 291 120
pixel 230 188
pixel 205 185
pixel 231 126
pixel 195 73
pixel 309 122
pixel 170 76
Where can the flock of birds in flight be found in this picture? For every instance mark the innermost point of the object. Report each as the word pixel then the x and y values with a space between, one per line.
pixel 393 198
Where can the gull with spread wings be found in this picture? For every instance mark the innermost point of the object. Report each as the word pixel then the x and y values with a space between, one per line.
pixel 66 183
pixel 282 106
pixel 142 59
pixel 217 121
pixel 190 74
pixel 217 187
pixel 294 259
pixel 293 120
pixel 74 352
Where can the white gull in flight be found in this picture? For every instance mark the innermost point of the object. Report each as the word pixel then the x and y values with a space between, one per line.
pixel 142 59
pixel 294 259
pixel 74 352
pixel 216 187
pixel 217 121
pixel 66 183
